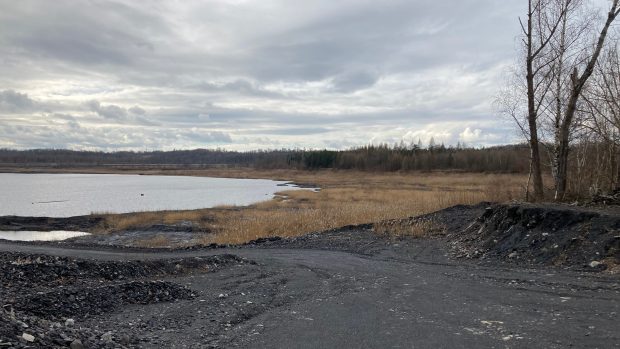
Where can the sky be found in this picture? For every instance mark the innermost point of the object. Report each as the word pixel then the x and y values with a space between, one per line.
pixel 253 74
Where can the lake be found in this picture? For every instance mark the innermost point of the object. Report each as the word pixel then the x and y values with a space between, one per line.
pixel 66 195
pixel 55 235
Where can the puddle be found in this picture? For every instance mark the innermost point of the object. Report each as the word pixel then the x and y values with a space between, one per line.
pixel 55 235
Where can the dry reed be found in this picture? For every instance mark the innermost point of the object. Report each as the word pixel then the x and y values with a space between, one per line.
pixel 345 198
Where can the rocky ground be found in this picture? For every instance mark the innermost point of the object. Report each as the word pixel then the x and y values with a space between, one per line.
pixel 44 296
pixel 528 234
pixel 491 276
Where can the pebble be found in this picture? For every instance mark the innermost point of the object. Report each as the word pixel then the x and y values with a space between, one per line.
pixel 69 322
pixel 76 344
pixel 106 337
pixel 28 337
pixel 513 254
pixel 595 264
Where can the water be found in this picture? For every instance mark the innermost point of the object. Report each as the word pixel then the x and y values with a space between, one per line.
pixel 66 195
pixel 55 235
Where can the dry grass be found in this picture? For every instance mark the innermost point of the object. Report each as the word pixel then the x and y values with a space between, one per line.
pixel 157 241
pixel 333 208
pixel 409 228
pixel 345 198
pixel 356 198
pixel 200 219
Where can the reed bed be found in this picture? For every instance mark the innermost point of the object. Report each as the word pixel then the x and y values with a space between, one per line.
pixel 345 198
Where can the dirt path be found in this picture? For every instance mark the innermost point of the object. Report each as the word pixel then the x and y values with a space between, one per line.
pixel 406 296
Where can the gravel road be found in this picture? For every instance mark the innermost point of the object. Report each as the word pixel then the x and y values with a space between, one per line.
pixel 397 294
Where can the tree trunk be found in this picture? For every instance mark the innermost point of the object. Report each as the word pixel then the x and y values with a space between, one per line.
pixel 578 82
pixel 532 115
pixel 535 161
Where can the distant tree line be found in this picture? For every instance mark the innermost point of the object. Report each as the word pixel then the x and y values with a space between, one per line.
pixel 505 159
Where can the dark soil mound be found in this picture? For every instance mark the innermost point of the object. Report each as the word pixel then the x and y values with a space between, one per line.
pixel 100 299
pixel 30 270
pixel 542 234
pixel 42 295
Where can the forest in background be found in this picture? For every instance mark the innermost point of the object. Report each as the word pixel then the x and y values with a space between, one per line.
pixel 383 158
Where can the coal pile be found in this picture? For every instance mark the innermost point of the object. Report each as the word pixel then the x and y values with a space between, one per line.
pixel 44 297
pixel 542 235
pixel 26 270
pixel 97 300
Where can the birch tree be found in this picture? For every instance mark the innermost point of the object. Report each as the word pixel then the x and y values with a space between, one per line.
pixel 541 24
pixel 580 73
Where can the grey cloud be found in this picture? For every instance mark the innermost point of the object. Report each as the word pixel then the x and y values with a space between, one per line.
pixel 12 101
pixel 91 33
pixel 110 111
pixel 208 136
pixel 119 114
pixel 239 86
pixel 72 135
pixel 319 73
pixel 137 110
pixel 292 131
pixel 353 81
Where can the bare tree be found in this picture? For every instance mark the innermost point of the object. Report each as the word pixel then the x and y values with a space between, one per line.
pixel 567 49
pixel 602 107
pixel 576 86
pixel 541 25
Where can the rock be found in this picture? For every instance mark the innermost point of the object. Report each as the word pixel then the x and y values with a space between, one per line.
pixel 107 337
pixel 595 264
pixel 76 344
pixel 69 322
pixel 28 337
pixel 513 254
pixel 125 340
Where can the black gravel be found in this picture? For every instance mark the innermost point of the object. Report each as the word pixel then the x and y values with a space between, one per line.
pixel 541 235
pixel 85 301
pixel 23 269
pixel 40 292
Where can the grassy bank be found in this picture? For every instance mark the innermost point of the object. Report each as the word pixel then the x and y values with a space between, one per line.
pixel 346 197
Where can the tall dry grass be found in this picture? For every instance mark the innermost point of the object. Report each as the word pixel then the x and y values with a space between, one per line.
pixel 372 199
pixel 346 198
pixel 200 219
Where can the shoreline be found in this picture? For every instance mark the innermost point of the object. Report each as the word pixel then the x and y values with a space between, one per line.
pixel 345 198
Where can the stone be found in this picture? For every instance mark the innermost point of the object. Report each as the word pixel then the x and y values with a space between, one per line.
pixel 595 264
pixel 106 337
pixel 76 344
pixel 513 254
pixel 69 322
pixel 28 337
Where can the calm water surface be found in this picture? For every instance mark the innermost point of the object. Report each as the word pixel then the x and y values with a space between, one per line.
pixel 54 235
pixel 66 195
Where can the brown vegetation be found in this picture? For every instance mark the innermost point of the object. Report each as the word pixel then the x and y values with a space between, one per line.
pixel 158 241
pixel 345 198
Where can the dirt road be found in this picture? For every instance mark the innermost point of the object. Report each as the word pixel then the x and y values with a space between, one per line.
pixel 380 294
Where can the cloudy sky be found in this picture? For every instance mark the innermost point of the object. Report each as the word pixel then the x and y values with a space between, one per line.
pixel 253 74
